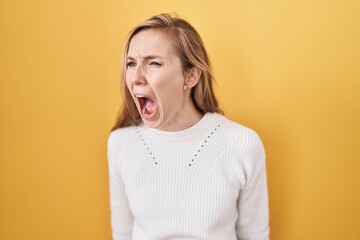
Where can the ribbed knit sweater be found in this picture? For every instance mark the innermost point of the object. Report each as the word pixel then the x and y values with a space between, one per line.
pixel 204 182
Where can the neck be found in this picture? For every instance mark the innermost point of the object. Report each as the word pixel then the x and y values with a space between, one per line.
pixel 182 123
pixel 186 118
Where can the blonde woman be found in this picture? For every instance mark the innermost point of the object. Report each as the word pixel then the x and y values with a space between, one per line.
pixel 178 168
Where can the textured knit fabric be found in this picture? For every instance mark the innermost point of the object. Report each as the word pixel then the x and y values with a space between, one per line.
pixel 204 182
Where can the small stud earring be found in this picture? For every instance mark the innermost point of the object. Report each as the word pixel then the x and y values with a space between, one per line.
pixel 185 87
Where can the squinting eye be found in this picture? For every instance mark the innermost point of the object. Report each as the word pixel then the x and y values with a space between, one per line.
pixel 155 63
pixel 130 64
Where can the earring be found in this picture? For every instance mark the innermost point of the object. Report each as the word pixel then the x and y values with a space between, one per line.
pixel 185 87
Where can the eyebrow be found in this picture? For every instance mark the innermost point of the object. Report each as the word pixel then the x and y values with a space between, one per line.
pixel 148 57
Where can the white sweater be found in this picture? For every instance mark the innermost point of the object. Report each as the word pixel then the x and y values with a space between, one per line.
pixel 204 182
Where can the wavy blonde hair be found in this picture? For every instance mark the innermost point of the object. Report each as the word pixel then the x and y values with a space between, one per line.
pixel 192 53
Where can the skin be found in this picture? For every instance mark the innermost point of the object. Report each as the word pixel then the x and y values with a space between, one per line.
pixel 154 70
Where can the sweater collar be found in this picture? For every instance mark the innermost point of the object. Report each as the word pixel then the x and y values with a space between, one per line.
pixel 206 122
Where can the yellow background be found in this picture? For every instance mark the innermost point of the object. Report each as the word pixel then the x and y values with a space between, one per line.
pixel 288 69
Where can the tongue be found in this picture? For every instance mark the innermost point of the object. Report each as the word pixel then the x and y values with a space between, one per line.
pixel 149 107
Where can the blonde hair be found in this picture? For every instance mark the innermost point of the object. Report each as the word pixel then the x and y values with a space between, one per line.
pixel 192 53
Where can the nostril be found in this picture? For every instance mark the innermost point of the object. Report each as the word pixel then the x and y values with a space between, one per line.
pixel 139 82
pixel 138 78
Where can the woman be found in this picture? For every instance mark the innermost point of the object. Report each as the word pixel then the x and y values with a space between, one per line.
pixel 178 168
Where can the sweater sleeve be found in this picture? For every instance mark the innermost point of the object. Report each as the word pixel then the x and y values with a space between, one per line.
pixel 253 221
pixel 121 215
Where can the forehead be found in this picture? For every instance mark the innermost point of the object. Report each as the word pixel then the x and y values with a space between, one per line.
pixel 150 42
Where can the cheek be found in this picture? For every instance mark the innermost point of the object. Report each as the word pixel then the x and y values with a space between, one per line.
pixel 129 73
pixel 127 81
pixel 169 81
pixel 168 90
pixel 171 95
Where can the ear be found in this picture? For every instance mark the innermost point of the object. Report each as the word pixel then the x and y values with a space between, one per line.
pixel 192 77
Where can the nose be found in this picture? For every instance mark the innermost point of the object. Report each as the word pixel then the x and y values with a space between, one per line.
pixel 138 77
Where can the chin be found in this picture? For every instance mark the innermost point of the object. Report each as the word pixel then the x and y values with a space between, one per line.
pixel 153 123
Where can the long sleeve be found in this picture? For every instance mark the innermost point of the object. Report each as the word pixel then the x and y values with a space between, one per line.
pixel 253 221
pixel 121 215
pixel 204 182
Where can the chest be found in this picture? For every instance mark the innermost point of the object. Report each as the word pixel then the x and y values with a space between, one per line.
pixel 201 195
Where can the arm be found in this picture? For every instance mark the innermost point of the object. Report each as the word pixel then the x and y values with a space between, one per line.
pixel 253 221
pixel 121 216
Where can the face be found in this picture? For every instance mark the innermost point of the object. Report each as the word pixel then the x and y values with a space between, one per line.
pixel 155 79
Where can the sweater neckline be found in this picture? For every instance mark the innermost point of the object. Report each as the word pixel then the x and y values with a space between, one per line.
pixel 195 130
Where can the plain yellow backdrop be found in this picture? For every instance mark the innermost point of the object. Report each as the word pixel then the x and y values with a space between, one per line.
pixel 288 69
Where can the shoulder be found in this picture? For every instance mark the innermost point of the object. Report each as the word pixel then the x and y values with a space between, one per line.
pixel 241 132
pixel 115 138
pixel 118 138
pixel 246 146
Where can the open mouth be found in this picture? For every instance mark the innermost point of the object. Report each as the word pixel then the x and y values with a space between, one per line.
pixel 147 106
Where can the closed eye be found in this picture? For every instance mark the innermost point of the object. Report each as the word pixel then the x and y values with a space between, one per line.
pixel 155 63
